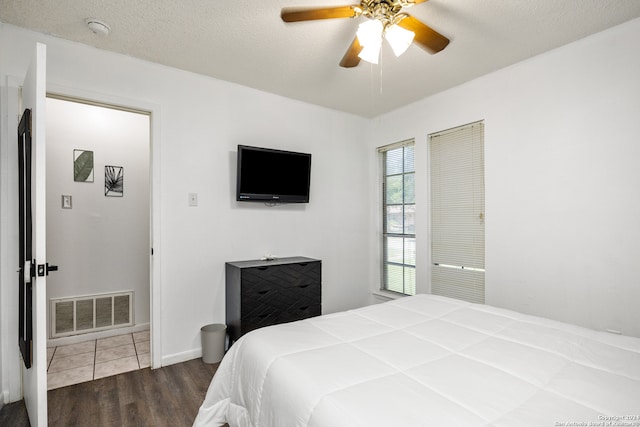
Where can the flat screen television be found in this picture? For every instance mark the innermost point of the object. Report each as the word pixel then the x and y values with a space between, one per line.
pixel 269 175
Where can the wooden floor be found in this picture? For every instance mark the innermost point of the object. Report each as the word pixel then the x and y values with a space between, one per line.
pixel 168 396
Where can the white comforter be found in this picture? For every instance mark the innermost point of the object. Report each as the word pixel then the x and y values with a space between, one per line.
pixel 426 361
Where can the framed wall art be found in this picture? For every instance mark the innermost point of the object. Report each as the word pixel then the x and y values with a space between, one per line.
pixel 113 181
pixel 82 166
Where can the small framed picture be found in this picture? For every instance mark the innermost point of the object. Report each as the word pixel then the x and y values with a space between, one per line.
pixel 83 166
pixel 113 181
pixel 66 201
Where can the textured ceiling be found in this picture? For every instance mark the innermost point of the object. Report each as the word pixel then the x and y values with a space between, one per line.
pixel 246 42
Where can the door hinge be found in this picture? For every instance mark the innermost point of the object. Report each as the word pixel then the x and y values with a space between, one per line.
pixel 28 270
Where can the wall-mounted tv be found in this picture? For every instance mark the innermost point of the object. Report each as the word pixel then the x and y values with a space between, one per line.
pixel 269 175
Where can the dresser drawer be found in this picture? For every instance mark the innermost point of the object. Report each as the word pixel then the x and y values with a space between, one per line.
pixel 262 317
pixel 282 276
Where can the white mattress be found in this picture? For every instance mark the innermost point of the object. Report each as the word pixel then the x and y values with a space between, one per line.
pixel 426 361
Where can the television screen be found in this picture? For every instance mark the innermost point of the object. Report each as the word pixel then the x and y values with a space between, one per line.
pixel 269 175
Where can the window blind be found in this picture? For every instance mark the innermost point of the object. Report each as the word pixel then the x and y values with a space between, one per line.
pixel 457 212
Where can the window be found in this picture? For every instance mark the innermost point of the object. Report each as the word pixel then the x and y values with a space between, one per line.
pixel 399 212
pixel 457 212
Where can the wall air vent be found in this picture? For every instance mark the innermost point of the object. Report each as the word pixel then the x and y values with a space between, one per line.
pixel 91 313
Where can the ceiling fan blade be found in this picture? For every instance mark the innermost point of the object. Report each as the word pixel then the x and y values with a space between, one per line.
pixel 293 14
pixel 351 58
pixel 425 36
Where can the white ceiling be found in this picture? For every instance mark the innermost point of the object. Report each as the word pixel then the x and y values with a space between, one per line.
pixel 246 42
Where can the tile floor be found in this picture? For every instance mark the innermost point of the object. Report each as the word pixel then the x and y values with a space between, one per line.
pixel 91 360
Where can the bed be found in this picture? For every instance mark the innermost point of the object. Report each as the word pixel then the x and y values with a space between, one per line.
pixel 426 361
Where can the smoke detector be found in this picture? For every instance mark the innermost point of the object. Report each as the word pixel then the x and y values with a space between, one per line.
pixel 98 27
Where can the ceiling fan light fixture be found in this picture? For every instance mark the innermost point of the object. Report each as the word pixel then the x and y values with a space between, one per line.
pixel 370 32
pixel 370 54
pixel 370 38
pixel 399 38
pixel 384 19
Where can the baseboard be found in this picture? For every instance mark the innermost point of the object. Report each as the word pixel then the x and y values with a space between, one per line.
pixel 74 339
pixel 184 356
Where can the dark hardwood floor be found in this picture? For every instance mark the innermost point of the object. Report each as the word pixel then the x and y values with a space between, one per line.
pixel 169 396
pixel 14 414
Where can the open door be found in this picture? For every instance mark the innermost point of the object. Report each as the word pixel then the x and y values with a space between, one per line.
pixel 33 269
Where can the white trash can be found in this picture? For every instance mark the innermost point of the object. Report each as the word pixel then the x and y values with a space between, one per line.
pixel 213 340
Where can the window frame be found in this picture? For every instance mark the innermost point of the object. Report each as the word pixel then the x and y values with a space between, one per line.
pixel 385 234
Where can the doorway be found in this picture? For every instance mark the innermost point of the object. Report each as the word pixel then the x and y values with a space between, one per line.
pixel 99 234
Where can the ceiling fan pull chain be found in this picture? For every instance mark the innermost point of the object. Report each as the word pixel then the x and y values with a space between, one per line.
pixel 380 66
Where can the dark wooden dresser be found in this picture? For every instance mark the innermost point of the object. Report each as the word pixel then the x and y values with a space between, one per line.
pixel 263 293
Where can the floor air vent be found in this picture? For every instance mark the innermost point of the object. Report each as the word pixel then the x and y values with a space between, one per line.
pixel 80 315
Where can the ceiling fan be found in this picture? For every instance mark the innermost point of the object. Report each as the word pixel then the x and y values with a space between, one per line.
pixel 385 20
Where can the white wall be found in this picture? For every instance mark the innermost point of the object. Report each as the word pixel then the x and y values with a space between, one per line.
pixel 101 244
pixel 561 179
pixel 198 122
pixel 10 372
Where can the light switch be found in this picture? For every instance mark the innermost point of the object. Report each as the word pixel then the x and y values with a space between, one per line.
pixel 193 199
pixel 66 201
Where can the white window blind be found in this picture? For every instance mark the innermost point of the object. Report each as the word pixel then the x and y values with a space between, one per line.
pixel 457 212
pixel 398 211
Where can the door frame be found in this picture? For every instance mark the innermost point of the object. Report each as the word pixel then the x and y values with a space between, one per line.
pixel 155 252
pixel 9 119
